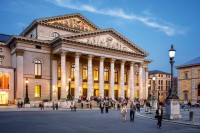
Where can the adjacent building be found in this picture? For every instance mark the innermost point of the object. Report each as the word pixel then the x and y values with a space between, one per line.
pixel 98 62
pixel 189 81
pixel 161 86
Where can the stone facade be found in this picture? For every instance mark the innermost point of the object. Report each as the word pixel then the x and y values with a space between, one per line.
pixel 162 84
pixel 99 62
pixel 189 83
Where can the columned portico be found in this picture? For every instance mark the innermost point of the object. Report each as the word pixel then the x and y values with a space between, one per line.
pixel 101 81
pixel 112 66
pixel 90 76
pixel 122 79
pixel 131 83
pixel 63 75
pixel 77 72
pixel 141 81
pixel 20 74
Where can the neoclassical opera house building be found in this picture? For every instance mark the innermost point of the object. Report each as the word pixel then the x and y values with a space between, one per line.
pixel 50 51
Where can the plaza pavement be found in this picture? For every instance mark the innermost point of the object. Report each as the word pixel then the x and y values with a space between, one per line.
pixel 142 113
pixel 82 121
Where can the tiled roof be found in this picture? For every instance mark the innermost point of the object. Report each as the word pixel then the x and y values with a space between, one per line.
pixel 4 38
pixel 193 62
pixel 157 72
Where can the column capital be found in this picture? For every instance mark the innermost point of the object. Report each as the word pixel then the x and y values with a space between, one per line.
pixel 102 58
pixel 63 52
pixel 19 52
pixel 112 60
pixel 77 55
pixel 132 63
pixel 90 56
pixel 123 61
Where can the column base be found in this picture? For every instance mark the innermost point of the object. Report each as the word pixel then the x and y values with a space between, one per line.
pixel 172 109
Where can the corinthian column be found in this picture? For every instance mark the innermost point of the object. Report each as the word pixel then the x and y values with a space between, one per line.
pixel 122 78
pixel 90 79
pixel 141 81
pixel 77 72
pixel 131 78
pixel 20 74
pixel 101 81
pixel 112 66
pixel 63 75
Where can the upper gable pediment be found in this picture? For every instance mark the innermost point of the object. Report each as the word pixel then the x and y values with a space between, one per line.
pixel 109 39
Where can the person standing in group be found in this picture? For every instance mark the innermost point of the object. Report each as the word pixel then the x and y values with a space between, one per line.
pixel 74 105
pixel 71 106
pixel 132 112
pixel 106 106
pixel 101 106
pixel 123 112
pixel 159 114
pixel 56 106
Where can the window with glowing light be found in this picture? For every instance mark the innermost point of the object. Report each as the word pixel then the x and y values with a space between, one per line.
pixel 116 76
pixel 59 71
pixel 96 74
pixel 85 73
pixel 125 77
pixel 72 72
pixel 4 81
pixel 38 68
pixel 38 91
pixel 106 75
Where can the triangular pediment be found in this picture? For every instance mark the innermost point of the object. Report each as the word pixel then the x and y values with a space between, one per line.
pixel 72 21
pixel 108 38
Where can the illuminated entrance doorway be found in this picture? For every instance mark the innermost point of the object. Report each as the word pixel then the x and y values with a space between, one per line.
pixel 3 98
pixel 106 93
pixel 116 94
pixel 96 92
pixel 85 92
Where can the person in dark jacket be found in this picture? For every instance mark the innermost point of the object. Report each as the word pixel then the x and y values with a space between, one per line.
pixel 132 112
pixel 101 106
pixel 159 114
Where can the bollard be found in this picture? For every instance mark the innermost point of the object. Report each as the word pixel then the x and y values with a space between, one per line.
pixel 191 116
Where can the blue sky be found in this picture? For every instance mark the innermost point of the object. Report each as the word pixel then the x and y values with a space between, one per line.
pixel 153 25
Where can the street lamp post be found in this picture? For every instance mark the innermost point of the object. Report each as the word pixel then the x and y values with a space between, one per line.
pixel 69 96
pixel 26 100
pixel 154 102
pixel 172 101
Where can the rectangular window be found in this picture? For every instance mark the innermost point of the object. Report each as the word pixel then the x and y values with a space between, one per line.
pixel 0 49
pixel 85 74
pixel 38 91
pixel 185 75
pixel 116 77
pixel 125 78
pixel 72 72
pixel 96 74
pixel 59 72
pixel 1 61
pixel 106 75
pixel 185 96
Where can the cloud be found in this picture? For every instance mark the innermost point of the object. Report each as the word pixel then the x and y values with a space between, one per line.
pixel 149 21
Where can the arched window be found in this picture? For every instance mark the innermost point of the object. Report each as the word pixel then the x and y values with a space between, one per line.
pixel 38 68
pixel 72 72
pixel 96 74
pixel 85 73
pixel 106 75
pixel 125 78
pixel 55 34
pixel 116 76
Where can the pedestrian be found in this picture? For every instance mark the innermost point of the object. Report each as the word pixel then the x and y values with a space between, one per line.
pixel 90 104
pixel 159 115
pixel 81 104
pixel 123 112
pixel 71 106
pixel 132 112
pixel 56 106
pixel 74 105
pixel 101 106
pixel 53 106
pixel 22 104
pixel 106 106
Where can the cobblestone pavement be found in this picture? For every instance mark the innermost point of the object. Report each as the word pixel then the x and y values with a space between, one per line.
pixel 184 114
pixel 85 121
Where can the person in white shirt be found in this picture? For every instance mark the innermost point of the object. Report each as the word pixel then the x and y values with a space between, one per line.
pixel 123 112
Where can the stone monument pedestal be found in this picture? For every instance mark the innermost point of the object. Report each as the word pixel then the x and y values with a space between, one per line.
pixel 172 109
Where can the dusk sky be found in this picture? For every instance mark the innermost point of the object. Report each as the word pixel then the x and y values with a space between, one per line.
pixel 151 24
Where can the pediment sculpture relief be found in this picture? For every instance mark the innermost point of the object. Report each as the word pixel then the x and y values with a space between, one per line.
pixel 106 41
